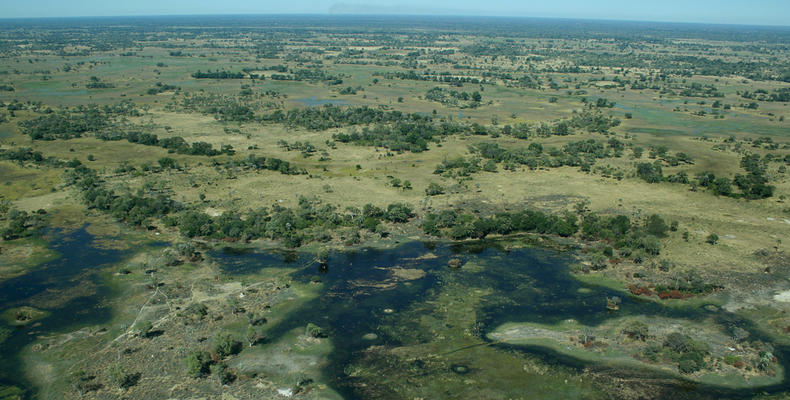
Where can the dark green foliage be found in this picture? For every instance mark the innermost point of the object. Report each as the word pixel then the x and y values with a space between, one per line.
pixel 712 238
pixel 315 331
pixel 161 88
pixel 650 172
pixel 434 189
pixel 225 345
pixel 176 144
pixel 198 363
pixel 637 330
pixel 689 354
pixel 143 328
pixel 217 75
pixel 330 116
pixel 449 223
pixel 656 226
pixel 20 224
pixel 119 378
pixel 74 123
pixel 224 375
pixel 81 381
pixel 398 137
pixel 398 212
pixel 134 209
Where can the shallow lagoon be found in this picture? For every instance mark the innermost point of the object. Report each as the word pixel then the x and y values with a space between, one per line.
pixel 401 321
pixel 403 299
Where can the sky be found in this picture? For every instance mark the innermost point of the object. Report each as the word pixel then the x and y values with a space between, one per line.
pixel 749 12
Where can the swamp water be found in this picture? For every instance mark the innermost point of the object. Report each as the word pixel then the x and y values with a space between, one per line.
pixel 403 324
pixel 64 293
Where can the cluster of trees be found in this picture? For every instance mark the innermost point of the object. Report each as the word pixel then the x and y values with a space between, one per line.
pixel 25 154
pixel 399 137
pixel 452 97
pixel 309 75
pixel 224 108
pixel 430 76
pixel 583 121
pixel 266 163
pixel 329 116
pixel 161 88
pixel 632 239
pixel 309 221
pixel 688 353
pixel 20 224
pixel 582 154
pixel 96 83
pixel 780 95
pixel 454 225
pixel 175 144
pixel 753 185
pixel 132 208
pixel 218 75
pixel 67 124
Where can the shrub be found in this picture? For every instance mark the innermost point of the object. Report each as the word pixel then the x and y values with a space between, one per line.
pixel 198 363
pixel 637 330
pixel 434 189
pixel 119 377
pixel 315 331
pixel 143 328
pixel 225 344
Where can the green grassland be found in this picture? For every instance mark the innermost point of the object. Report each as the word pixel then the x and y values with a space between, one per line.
pixel 532 80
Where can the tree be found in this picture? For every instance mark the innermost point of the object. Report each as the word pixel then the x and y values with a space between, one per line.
pixel 119 377
pixel 143 328
pixel 650 172
pixel 637 330
pixel 434 189
pixel 315 331
pixel 198 363
pixel 712 239
pixel 253 335
pixel 398 212
pixel 225 344
pixel 656 226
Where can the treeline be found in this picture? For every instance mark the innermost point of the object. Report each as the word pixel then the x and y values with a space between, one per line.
pixel 132 208
pixel 68 124
pixel 329 116
pixel 401 136
pixel 20 224
pixel 753 185
pixel 583 121
pixel 779 95
pixel 218 74
pixel 452 97
pixel 431 76
pixel 224 108
pixel 309 221
pixel 576 154
pixel 631 239
pixel 266 163
pixel 310 75
pixel 26 154
pixel 175 144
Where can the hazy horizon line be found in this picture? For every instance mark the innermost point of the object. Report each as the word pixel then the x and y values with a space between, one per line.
pixel 403 15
